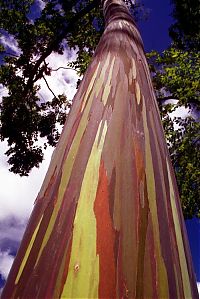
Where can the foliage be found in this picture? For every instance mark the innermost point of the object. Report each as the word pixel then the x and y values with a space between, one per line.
pixel 24 115
pixel 185 153
pixel 185 32
pixel 176 73
pixel 183 139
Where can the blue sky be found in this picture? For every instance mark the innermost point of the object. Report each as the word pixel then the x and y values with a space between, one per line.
pixel 154 30
pixel 193 229
pixel 13 217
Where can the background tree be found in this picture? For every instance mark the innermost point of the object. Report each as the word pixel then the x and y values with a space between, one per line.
pixel 24 115
pixel 176 75
pixel 185 32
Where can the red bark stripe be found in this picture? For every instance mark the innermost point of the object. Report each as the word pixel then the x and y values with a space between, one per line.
pixel 105 238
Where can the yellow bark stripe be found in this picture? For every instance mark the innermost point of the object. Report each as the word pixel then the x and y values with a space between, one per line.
pixel 23 263
pixel 161 270
pixel 183 263
pixel 107 87
pixel 83 274
pixel 132 72
pixel 67 168
pixel 101 78
pixel 137 91
pixel 93 79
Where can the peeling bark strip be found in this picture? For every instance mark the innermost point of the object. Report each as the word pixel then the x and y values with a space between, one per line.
pixel 107 222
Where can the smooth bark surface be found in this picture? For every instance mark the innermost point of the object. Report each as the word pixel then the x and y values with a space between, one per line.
pixel 107 222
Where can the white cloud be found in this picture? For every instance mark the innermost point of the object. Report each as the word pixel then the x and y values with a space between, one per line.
pixel 17 194
pixel 9 42
pixel 3 91
pixel 62 81
pixel 41 4
pixel 180 112
pixel 6 263
pixel 11 231
pixel 198 287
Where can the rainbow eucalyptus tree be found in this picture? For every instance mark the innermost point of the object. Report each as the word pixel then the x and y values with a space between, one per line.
pixel 107 222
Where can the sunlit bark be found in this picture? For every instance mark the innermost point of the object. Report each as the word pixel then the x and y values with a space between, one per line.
pixel 107 222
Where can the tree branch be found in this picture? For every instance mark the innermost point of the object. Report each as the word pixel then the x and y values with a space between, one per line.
pixel 51 47
pixel 62 67
pixel 166 98
pixel 49 87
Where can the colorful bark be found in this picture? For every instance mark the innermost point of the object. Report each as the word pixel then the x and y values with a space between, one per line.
pixel 107 222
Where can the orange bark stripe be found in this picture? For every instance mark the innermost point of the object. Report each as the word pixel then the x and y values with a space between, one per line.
pixel 105 238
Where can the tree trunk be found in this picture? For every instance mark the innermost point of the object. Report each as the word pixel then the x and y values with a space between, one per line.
pixel 107 222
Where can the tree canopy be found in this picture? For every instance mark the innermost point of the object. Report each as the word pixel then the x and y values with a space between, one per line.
pixel 185 32
pixel 176 76
pixel 25 116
